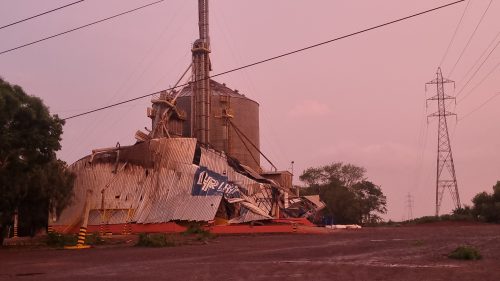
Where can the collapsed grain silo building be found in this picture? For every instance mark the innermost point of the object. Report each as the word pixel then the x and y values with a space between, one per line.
pixel 200 161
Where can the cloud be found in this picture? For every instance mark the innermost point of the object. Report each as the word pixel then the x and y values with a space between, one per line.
pixel 309 108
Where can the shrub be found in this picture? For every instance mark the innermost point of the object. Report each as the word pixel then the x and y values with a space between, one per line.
pixel 155 240
pixel 60 240
pixel 197 229
pixel 465 253
pixel 94 239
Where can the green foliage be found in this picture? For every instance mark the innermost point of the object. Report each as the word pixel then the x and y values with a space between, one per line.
pixel 341 203
pixel 465 253
pixel 346 174
pixel 194 228
pixel 94 239
pixel 197 230
pixel 348 196
pixel 372 201
pixel 60 240
pixel 155 240
pixel 458 216
pixel 487 206
pixel 32 180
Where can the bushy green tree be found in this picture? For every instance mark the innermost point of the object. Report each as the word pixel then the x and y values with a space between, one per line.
pixel 345 174
pixel 348 196
pixel 32 180
pixel 372 201
pixel 487 206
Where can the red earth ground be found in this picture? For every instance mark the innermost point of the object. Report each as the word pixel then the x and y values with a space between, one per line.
pixel 382 253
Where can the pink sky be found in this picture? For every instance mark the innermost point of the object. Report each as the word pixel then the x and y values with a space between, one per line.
pixel 359 100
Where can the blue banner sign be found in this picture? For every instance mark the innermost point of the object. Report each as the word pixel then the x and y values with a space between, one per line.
pixel 207 182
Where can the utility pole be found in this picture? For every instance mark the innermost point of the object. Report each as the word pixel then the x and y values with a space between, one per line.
pixel 445 169
pixel 298 191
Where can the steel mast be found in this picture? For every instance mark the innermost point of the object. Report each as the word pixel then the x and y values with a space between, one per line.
pixel 445 170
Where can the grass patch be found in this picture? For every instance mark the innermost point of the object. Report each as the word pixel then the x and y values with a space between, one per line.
pixel 465 253
pixel 199 232
pixel 195 228
pixel 60 240
pixel 418 243
pixel 155 240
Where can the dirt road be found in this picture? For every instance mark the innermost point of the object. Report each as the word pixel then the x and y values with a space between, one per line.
pixel 397 253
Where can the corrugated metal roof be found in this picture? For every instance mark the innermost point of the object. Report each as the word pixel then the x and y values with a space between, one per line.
pixel 315 200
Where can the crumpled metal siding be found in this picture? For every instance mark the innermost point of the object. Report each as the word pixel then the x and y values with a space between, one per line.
pixel 111 217
pixel 158 194
pixel 248 216
pixel 216 161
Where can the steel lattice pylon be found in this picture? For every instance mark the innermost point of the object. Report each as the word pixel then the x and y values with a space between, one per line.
pixel 445 170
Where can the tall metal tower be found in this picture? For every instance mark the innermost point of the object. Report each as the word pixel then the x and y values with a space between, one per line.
pixel 201 82
pixel 445 170
pixel 409 206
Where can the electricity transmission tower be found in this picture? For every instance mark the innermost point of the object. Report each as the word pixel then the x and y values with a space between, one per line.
pixel 409 206
pixel 445 170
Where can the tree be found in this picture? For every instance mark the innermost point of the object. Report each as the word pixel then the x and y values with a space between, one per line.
pixel 32 180
pixel 346 174
pixel 487 206
pixel 372 200
pixel 348 196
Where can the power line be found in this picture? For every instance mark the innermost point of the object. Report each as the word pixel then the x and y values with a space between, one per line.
pixel 470 38
pixel 80 27
pixel 273 58
pixel 44 13
pixel 477 70
pixel 454 34
pixel 479 107
pixel 479 58
pixel 480 82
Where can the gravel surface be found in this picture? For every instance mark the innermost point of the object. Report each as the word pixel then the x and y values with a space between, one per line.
pixel 384 253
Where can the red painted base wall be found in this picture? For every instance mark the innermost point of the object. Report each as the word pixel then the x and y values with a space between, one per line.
pixel 280 226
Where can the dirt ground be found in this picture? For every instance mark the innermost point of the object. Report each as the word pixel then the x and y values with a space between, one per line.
pixel 385 253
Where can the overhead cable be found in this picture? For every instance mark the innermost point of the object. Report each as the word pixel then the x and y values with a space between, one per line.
pixel 475 72
pixel 470 39
pixel 479 107
pixel 44 13
pixel 80 27
pixel 480 57
pixel 480 83
pixel 454 33
pixel 274 58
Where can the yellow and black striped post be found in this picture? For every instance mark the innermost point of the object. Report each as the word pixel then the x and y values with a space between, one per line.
pixel 81 236
pixel 125 230
pixel 101 225
pixel 50 229
pixel 294 227
pixel 80 244
pixel 16 223
pixel 101 229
